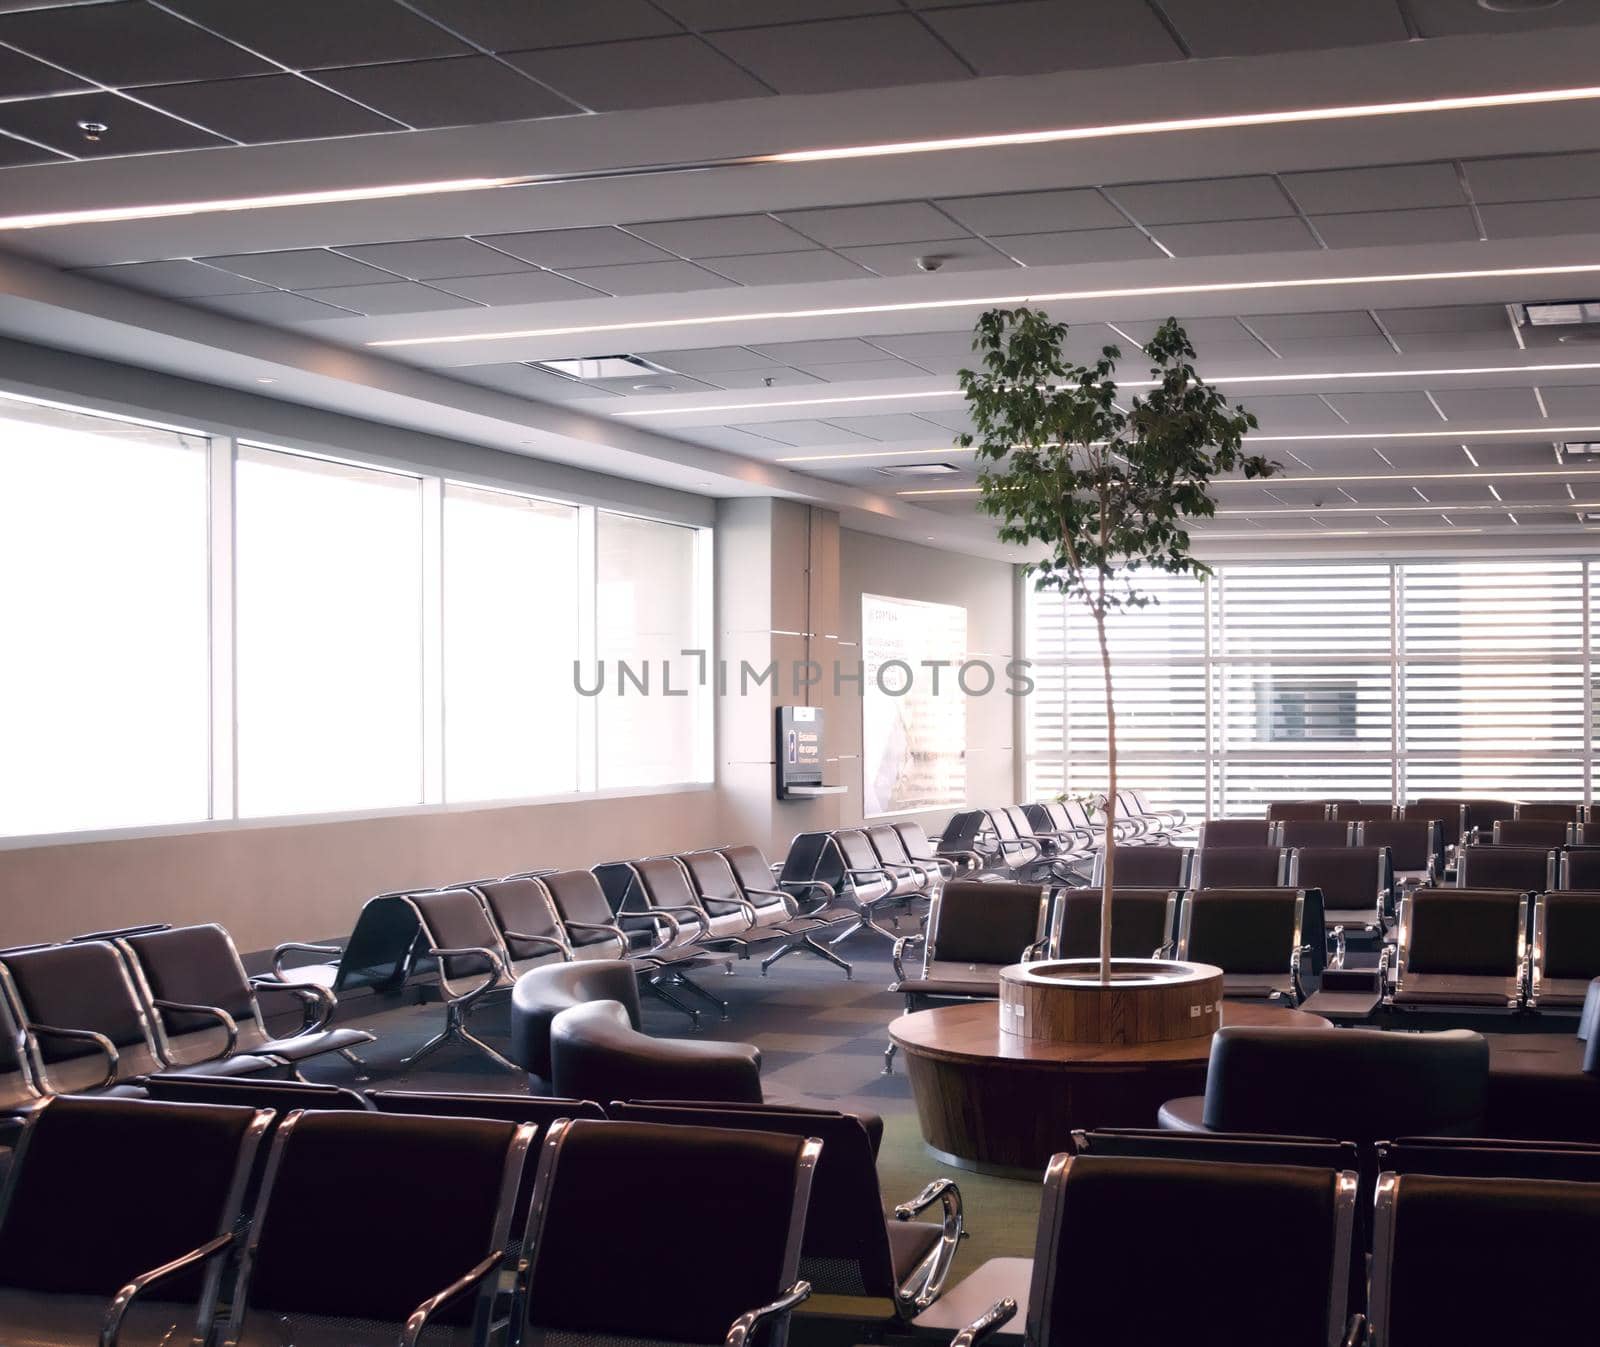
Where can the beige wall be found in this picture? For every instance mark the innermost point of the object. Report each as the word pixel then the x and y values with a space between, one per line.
pixel 308 881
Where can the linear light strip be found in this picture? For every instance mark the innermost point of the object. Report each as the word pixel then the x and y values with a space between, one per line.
pixel 1288 116
pixel 1325 376
pixel 1329 479
pixel 1481 507
pixel 992 301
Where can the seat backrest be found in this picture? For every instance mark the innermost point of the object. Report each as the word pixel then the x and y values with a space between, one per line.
pixel 1281 810
pixel 1579 868
pixel 591 1171
pixel 918 845
pixel 455 918
pixel 1585 835
pixel 1154 1143
pixel 1234 832
pixel 1243 930
pixel 1566 935
pixel 1297 832
pixel 620 885
pixel 962 832
pixel 17 1086
pixel 813 856
pixel 1411 841
pixel 1437 1277
pixel 522 904
pixel 1361 1085
pixel 579 899
pixel 1349 877
pixel 538 1111
pixel 1448 812
pixel 979 921
pixel 845 1218
pixel 1480 1158
pixel 856 849
pixel 1549 810
pixel 284 1096
pixel 1482 814
pixel 385 1170
pixel 1530 869
pixel 1530 832
pixel 192 965
pixel 78 986
pixel 888 844
pixel 1245 1282
pixel 1239 867
pixel 382 948
pixel 1142 921
pixel 176 1173
pixel 1148 867
pixel 1361 811
pixel 665 883
pixel 749 866
pixel 1021 824
pixel 713 878
pixel 1463 932
pixel 1002 825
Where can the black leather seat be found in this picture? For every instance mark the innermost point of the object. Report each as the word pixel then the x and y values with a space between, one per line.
pixel 1357 884
pixel 1530 869
pixel 1242 1148
pixel 1461 947
pixel 544 993
pixel 1361 1085
pixel 804 918
pixel 1565 954
pixel 1146 867
pixel 975 928
pixel 1491 1158
pixel 283 1096
pixel 1235 832
pixel 1268 942
pixel 1237 866
pixel 726 1273
pixel 1143 922
pixel 176 1174
pixel 1301 832
pixel 1579 867
pixel 1415 850
pixel 1280 811
pixel 597 1052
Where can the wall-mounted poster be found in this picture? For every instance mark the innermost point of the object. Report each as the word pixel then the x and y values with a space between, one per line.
pixel 914 714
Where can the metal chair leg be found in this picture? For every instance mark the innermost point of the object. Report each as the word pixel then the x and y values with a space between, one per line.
pixel 698 990
pixel 654 987
pixel 782 952
pixel 849 931
pixel 455 1031
pixel 813 946
pixel 888 1058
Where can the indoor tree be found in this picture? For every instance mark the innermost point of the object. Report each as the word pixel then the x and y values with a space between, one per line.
pixel 1103 485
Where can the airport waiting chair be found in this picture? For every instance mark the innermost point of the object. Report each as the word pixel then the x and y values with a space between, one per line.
pixel 894 854
pixel 776 919
pixel 1268 942
pixel 922 850
pixel 1280 811
pixel 19 1091
pixel 729 1273
pixel 1478 817
pixel 1143 923
pixel 1357 884
pixel 1240 1148
pixel 387 1276
pixel 1578 868
pixel 282 1096
pixel 1362 811
pixel 1583 834
pixel 1437 1275
pixel 1549 810
pixel 1146 867
pixel 1460 947
pixel 380 955
pixel 1235 832
pixel 205 1006
pixel 1415 851
pixel 536 1110
pixel 1530 832
pixel 1313 832
pixel 871 885
pixel 849 1248
pixel 1449 813
pixel 815 902
pixel 1527 869
pixel 1239 867
pixel 527 921
pixel 1490 1158
pixel 73 1273
pixel 1247 1283
pixel 1564 957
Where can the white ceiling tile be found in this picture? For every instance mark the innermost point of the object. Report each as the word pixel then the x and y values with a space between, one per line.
pixel 722 236
pixel 1034 212
pixel 828 351
pixel 1542 519
pixel 649 278
pixel 929 347
pixel 1388 228
pixel 1446 318
pixel 1036 36
pixel 525 381
pixel 1456 343
pixel 563 248
pixel 1293 413
pixel 786 268
pixel 1386 187
pixel 1488 406
pixel 650 385
pixel 1445 492
pixel 768 376
pixel 434 259
pixel 744 441
pixel 861 226
pixel 1203 332
pixel 300 268
pixel 274 306
pixel 1276 327
pixel 1446 18
pixel 1570 403
pixel 900 259
pixel 1396 411
pixel 529 287
pixel 1541 491
pixel 1418 456
pixel 1398 492
pixel 1236 236
pixel 399 297
pixel 1534 177
pixel 894 428
pixel 1539 454
pixel 1537 219
pixel 502 26
pixel 957 420
pixel 803 434
pixel 865 370
pixel 709 359
pixel 1254 27
pixel 179 279
pixel 1078 245
pixel 1201 199
pixel 833 54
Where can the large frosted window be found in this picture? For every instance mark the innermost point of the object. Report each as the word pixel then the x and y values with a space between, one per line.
pixel 647 613
pixel 510 639
pixel 329 612
pixel 104 708
pixel 913 733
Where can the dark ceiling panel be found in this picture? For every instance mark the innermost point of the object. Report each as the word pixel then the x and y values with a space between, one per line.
pixel 1035 36
pixel 23 77
pixel 520 25
pixel 810 58
pixel 660 72
pixel 434 259
pixel 268 108
pixel 131 129
pixel 14 152
pixel 127 43
pixel 310 34
pixel 463 91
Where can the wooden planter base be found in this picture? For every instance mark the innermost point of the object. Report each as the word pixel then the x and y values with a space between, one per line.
pixel 1146 1001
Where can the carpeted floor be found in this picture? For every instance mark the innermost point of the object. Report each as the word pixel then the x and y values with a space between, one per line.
pixel 821 1039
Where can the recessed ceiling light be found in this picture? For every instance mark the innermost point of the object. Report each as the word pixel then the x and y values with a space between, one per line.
pixel 998 301
pixel 601 367
pixel 1562 313
pixel 93 131
pixel 920 470
pixel 263 379
pixel 1516 6
pixel 1580 448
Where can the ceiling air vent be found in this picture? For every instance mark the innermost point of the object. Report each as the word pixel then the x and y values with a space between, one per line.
pixel 1581 449
pixel 601 367
pixel 1562 313
pixel 919 470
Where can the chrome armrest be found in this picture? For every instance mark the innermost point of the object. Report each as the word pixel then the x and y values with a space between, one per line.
pixel 1038 950
pixel 318 1001
pixel 122 1302
pixel 1384 959
pixel 901 945
pixel 221 1016
pixel 615 932
pixel 828 891
pixel 926 1284
pixel 747 1323
pixel 694 913
pixel 787 899
pixel 997 1316
pixel 418 1319
pixel 1355 1333
pixel 1338 947
pixel 106 1046
pixel 970 860
pixel 1296 984
pixel 869 870
pixel 298 947
pixel 496 974
pixel 554 942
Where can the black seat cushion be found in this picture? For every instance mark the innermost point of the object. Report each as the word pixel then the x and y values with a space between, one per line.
pixel 1466 934
pixel 1139 922
pixel 986 921
pixel 1571 935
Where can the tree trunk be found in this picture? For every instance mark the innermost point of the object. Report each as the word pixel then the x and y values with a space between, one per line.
pixel 1111 803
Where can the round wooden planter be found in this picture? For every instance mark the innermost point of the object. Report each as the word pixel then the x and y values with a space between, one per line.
pixel 1146 1001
